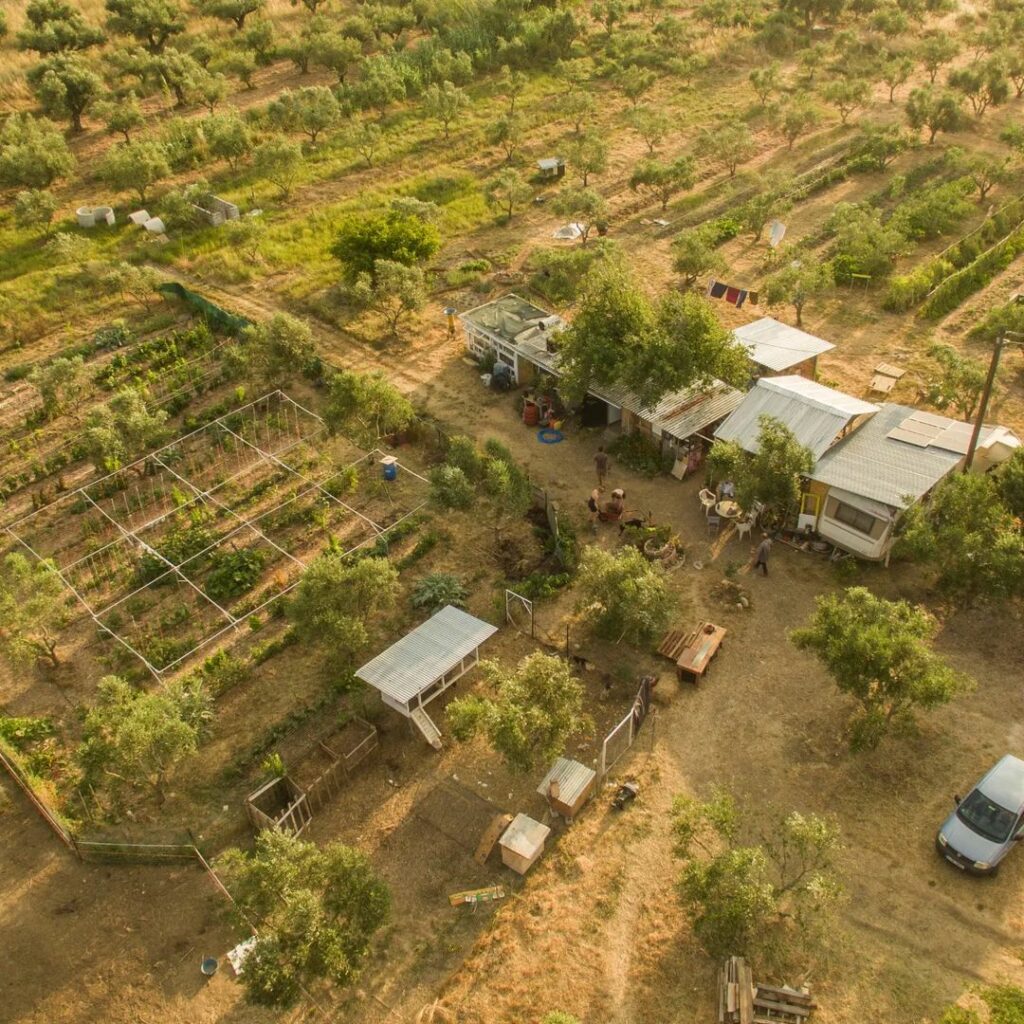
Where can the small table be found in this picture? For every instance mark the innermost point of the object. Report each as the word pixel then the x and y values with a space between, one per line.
pixel 728 509
pixel 692 652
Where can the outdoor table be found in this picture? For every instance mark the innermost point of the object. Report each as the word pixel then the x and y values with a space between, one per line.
pixel 727 509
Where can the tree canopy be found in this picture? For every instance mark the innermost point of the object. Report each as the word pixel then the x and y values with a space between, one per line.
pixel 771 474
pixel 317 907
pixel 398 237
pixel 32 609
pixel 879 652
pixel 334 598
pixel 366 405
pixel 131 737
pixel 33 153
pixel 278 348
pixel 536 708
pixel 743 879
pixel 622 595
pixel 620 338
pixel 55 26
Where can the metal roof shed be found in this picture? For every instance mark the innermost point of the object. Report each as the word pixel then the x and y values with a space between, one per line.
pixel 777 346
pixel 425 662
pixel 816 415
pixel 567 786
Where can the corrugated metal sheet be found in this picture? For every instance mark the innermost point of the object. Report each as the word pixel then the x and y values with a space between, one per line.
pixel 572 777
pixel 875 465
pixel 427 653
pixel 814 413
pixel 681 413
pixel 778 346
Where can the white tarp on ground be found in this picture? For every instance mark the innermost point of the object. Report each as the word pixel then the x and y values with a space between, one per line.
pixel 238 955
pixel 569 232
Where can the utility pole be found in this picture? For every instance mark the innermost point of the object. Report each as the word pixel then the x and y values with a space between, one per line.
pixel 1004 337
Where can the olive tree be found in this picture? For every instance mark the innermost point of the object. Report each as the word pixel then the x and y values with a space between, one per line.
pixel 132 738
pixel 879 652
pixel 694 255
pixel 746 878
pixel 796 283
pixel 317 909
pixel 135 167
pixel 394 291
pixel 279 161
pixel 277 349
pixel 506 192
pixel 312 111
pixel 960 382
pixel 333 599
pixel 34 208
pixel 727 145
pixel 938 110
pixel 583 207
pixel 59 382
pixel 622 596
pixel 55 26
pixel 587 154
pixel 529 714
pixel 66 85
pixel 651 125
pixel 228 137
pixel 33 610
pixel 33 153
pixel 121 115
pixel 507 134
pixel 151 22
pixel 663 180
pixel 234 11
pixel 366 405
pixel 968 536
pixel 445 103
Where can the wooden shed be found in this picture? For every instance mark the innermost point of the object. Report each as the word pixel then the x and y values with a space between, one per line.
pixel 522 843
pixel 567 787
pixel 551 167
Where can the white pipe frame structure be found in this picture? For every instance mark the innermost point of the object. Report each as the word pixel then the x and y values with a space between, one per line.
pixel 199 496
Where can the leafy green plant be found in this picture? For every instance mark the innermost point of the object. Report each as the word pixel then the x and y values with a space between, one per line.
pixel 637 452
pixel 438 589
pixel 234 573
pixel 450 487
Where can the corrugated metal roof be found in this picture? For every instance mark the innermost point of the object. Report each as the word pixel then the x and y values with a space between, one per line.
pixel 814 413
pixel 779 346
pixel 681 413
pixel 572 777
pixel 427 653
pixel 883 468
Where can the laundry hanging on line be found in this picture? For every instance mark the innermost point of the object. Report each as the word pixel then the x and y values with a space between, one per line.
pixel 734 296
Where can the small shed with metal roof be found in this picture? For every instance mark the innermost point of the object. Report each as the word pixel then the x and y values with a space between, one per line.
pixel 567 786
pixel 424 663
pixel 817 416
pixel 776 347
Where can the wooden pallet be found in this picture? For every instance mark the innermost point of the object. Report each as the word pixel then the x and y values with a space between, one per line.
pixel 735 992
pixel 498 824
pixel 782 1005
pixel 474 896
pixel 692 650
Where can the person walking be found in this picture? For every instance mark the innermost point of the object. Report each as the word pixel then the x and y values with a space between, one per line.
pixel 761 559
pixel 601 463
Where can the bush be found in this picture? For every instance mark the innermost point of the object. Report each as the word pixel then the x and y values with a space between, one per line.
pixel 450 487
pixel 637 452
pixel 438 589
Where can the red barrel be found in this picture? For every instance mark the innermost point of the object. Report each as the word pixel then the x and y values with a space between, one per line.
pixel 531 414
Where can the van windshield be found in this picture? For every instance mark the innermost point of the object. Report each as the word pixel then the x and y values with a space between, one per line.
pixel 985 817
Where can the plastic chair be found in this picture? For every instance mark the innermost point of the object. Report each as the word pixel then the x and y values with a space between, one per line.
pixel 755 512
pixel 708 500
pixel 743 527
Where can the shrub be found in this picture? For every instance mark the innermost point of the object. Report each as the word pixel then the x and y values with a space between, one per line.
pixel 637 452
pixel 450 488
pixel 438 589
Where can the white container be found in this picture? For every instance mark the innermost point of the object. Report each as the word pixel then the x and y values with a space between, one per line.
pixel 86 217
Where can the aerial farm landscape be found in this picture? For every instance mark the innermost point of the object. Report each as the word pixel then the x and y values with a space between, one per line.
pixel 512 511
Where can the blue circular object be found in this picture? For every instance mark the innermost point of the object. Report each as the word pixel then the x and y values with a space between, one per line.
pixel 548 435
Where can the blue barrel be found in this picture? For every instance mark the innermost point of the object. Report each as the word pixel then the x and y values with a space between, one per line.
pixel 390 469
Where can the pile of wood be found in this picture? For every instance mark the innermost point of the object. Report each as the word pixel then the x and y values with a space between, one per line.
pixel 741 1001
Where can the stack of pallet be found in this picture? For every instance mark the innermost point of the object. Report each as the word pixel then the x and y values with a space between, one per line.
pixel 735 992
pixel 784 1005
pixel 740 1001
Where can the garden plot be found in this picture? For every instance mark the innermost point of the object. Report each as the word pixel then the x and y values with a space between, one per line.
pixel 176 551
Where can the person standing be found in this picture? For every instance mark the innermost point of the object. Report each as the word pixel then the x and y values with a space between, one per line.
pixel 601 463
pixel 593 506
pixel 761 561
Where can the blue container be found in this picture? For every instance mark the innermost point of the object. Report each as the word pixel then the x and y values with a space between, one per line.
pixel 390 469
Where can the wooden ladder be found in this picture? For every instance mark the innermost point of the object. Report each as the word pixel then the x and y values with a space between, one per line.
pixel 426 726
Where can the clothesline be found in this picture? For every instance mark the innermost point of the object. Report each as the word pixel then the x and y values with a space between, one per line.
pixel 733 295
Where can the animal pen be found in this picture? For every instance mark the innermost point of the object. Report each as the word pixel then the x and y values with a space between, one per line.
pixel 287 804
pixel 176 551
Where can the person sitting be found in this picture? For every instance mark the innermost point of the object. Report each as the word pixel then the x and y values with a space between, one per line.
pixel 614 509
pixel 726 490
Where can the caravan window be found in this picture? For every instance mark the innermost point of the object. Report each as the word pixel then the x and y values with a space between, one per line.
pixel 856 519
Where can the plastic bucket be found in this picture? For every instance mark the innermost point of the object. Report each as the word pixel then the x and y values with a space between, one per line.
pixel 389 465
pixel 208 966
